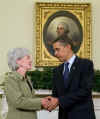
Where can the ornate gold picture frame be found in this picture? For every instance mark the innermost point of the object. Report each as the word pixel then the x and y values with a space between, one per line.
pixel 78 20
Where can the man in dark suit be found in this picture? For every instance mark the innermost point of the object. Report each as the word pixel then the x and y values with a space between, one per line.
pixel 71 92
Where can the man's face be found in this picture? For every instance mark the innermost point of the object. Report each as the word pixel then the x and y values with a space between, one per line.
pixel 61 52
pixel 60 30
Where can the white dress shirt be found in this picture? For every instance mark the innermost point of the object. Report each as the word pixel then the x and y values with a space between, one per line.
pixel 70 61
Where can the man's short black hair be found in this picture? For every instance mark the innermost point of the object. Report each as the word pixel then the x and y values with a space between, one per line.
pixel 64 40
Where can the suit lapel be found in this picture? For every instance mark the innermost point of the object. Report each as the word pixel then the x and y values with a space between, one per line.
pixel 72 72
pixel 30 83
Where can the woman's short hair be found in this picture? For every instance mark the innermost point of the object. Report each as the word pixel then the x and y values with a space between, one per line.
pixel 15 54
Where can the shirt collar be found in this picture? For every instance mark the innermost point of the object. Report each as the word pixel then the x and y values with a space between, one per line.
pixel 70 61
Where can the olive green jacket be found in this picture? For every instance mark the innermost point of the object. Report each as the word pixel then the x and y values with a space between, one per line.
pixel 22 102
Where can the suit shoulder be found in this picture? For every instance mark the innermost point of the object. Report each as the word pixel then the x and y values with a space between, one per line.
pixel 8 76
pixel 85 61
pixel 11 76
pixel 58 67
pixel 85 64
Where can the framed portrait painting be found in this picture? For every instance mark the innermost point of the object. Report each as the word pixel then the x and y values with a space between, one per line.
pixel 51 18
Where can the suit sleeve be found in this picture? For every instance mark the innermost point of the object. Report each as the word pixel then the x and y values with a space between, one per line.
pixel 54 91
pixel 16 98
pixel 84 92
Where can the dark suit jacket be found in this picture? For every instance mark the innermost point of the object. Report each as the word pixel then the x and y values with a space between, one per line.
pixel 75 101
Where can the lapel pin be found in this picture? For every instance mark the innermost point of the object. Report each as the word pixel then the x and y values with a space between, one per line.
pixel 73 68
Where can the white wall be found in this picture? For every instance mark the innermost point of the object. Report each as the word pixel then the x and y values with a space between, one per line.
pixel 17 27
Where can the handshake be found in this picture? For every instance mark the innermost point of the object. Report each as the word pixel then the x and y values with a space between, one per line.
pixel 49 103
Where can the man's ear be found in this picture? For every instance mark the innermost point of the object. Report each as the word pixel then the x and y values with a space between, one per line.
pixel 68 46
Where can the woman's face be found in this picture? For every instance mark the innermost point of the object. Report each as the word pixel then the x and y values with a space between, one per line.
pixel 25 62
